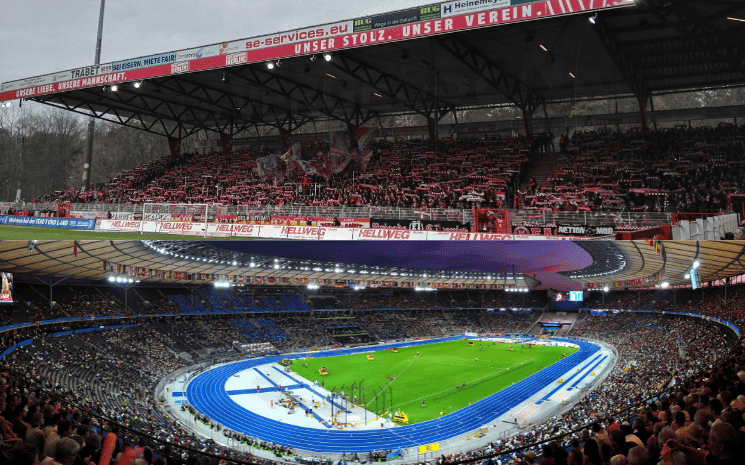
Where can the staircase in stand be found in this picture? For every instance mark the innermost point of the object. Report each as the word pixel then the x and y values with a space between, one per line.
pixel 541 170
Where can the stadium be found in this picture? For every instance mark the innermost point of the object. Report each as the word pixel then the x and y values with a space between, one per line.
pixel 453 121
pixel 199 352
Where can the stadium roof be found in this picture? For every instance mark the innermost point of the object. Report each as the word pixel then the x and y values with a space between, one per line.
pixel 651 264
pixel 62 259
pixel 533 52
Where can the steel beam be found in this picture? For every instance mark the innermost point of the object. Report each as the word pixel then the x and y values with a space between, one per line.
pixel 312 99
pixel 387 84
pixel 504 83
pixel 631 75
pixel 691 25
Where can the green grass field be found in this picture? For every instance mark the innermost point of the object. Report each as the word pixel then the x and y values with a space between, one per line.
pixel 433 375
pixel 11 233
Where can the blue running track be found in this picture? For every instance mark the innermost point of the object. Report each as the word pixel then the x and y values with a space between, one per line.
pixel 207 394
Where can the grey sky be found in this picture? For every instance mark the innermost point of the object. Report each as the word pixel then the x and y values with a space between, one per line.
pixel 39 37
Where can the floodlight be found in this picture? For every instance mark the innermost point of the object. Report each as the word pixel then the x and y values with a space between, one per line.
pixel 114 88
pixel 270 65
pixel 327 56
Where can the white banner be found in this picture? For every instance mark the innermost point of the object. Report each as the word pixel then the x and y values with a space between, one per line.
pixel 469 6
pixel 122 216
pixel 232 230
pixel 87 215
pixel 156 216
pixel 185 229
pixel 389 235
pixel 339 234
pixel 120 225
pixel 290 37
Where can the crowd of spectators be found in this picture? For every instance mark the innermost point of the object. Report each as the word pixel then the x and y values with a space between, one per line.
pixel 456 174
pixel 670 169
pixel 666 170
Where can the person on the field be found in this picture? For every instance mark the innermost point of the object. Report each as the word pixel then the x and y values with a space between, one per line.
pixel 423 404
pixel 258 388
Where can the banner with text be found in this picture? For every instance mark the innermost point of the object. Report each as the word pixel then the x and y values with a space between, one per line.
pixel 314 40
pixel 429 225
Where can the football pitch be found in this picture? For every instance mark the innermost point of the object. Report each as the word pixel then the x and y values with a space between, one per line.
pixel 432 375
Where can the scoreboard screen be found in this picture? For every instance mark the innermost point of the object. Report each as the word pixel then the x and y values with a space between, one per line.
pixel 571 296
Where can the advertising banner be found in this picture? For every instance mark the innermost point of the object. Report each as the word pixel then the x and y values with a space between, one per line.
pixel 65 223
pixel 183 217
pixel 260 218
pixel 120 225
pixel 306 41
pixel 460 7
pixel 89 215
pixel 232 230
pixel 389 235
pixel 584 230
pixel 122 216
pixel 290 37
pixel 428 225
pixel 144 62
pixel 464 236
pixel 397 18
pixel 182 228
pixel 156 217
pixel 325 221
pixel 302 232
pixel 534 229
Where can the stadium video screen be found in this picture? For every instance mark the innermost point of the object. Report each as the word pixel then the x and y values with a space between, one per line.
pixel 573 296
pixel 6 296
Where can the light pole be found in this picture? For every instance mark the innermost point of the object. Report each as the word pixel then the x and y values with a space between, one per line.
pixel 91 120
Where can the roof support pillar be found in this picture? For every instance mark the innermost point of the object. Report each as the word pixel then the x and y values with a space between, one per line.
pixel 174 146
pixel 352 132
pixel 285 138
pixel 432 128
pixel 528 120
pixel 226 142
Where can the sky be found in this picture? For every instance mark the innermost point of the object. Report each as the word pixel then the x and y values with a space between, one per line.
pixel 540 258
pixel 44 36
